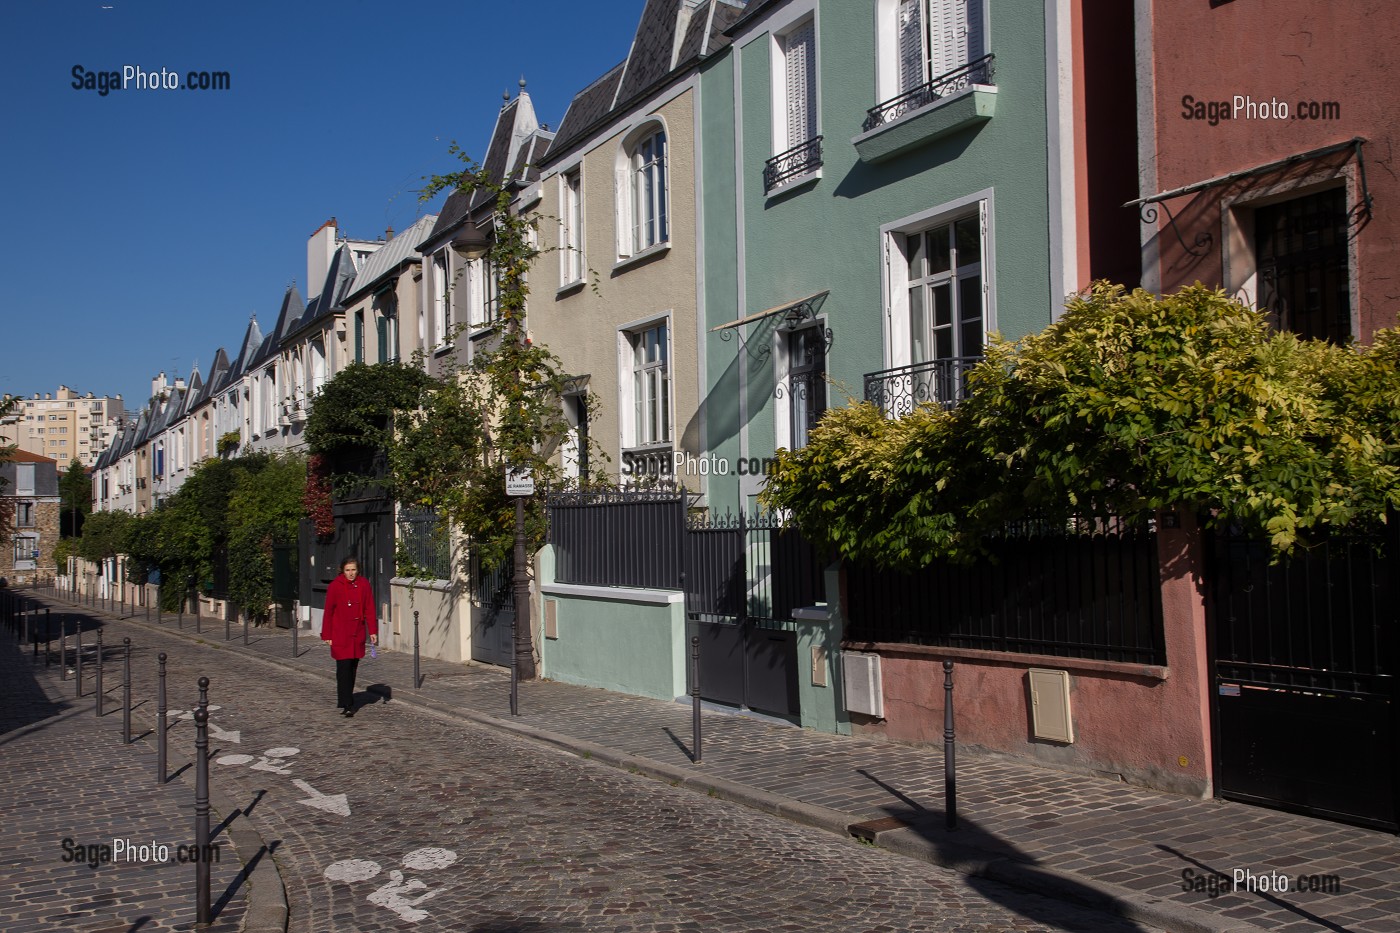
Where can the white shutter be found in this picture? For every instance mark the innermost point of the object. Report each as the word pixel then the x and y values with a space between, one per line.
pixel 975 46
pixel 911 45
pixel 622 208
pixel 801 84
pixel 948 33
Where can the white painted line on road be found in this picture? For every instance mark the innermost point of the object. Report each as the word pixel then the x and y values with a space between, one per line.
pixel 351 870
pixel 338 804
pixel 392 896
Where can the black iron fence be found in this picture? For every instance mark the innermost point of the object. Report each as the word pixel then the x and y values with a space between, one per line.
pixel 757 568
pixel 617 537
pixel 980 71
pixel 424 542
pixel 900 390
pixel 1324 618
pixel 1085 588
pixel 800 160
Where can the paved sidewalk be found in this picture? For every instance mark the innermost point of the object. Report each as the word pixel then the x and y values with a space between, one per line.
pixel 1119 847
pixel 70 784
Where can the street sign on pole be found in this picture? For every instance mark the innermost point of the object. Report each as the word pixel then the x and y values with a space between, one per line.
pixel 519 481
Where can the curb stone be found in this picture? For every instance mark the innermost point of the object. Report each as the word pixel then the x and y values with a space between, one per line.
pixel 267 910
pixel 1102 896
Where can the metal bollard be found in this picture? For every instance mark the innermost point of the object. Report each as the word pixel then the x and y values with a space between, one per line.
pixel 695 695
pixel 227 623
pixel 146 599
pixel 417 680
pixel 514 663
pixel 63 648
pixel 201 808
pixel 78 654
pixel 100 693
pixel 245 629
pixel 204 691
pixel 950 784
pixel 296 628
pixel 161 723
pixel 198 619
pixel 126 695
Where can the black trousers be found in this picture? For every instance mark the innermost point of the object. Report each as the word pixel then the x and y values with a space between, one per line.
pixel 345 682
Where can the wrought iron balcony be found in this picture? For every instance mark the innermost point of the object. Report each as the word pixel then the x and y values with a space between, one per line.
pixel 900 390
pixel 797 161
pixel 976 72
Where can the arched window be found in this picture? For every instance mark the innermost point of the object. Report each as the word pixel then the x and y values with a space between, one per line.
pixel 643 201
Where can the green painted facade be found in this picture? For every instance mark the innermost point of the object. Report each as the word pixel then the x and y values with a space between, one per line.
pixel 613 638
pixel 825 234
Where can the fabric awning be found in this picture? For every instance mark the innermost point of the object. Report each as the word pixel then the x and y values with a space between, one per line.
pixel 812 303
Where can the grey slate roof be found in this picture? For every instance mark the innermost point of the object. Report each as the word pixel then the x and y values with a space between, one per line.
pixel 654 59
pixel 339 277
pixel 402 248
pixel 218 375
pixel 527 160
pixel 252 342
pixel 650 58
pixel 588 107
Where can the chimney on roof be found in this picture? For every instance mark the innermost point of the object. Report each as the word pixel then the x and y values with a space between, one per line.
pixel 320 249
pixel 388 233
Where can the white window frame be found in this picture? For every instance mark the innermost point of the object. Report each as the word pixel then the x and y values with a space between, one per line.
pixel 629 171
pixel 440 297
pixel 888 60
pixel 483 295
pixel 783 367
pixel 571 261
pixel 632 436
pixel 898 344
pixel 781 134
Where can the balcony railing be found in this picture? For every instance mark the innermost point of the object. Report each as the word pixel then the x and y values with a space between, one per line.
pixel 799 160
pixel 900 390
pixel 976 72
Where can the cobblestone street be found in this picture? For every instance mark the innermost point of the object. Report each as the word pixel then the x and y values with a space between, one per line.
pixel 449 825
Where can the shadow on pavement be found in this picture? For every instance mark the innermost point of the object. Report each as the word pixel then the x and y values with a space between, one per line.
pixel 1207 869
pixel 991 862
pixel 23 701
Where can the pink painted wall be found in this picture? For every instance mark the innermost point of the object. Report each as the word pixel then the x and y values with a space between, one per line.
pixel 1289 50
pixel 1133 724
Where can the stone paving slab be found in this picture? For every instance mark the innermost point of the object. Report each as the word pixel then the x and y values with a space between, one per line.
pixel 70 784
pixel 1107 834
pixel 537 840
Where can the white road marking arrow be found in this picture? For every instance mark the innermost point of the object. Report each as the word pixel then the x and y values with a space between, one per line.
pixel 331 803
pixel 216 733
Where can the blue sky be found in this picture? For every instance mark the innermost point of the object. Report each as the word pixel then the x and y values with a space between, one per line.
pixel 143 228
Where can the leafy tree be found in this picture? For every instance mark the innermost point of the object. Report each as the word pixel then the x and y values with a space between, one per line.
pixel 263 510
pixel 75 499
pixel 105 535
pixel 1128 403
pixel 503 408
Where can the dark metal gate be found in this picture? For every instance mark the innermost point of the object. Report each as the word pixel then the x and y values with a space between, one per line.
pixel 743 579
pixel 1305 661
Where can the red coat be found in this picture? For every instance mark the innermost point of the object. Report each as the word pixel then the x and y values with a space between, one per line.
pixel 348 618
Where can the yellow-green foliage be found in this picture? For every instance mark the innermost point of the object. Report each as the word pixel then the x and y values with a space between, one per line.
pixel 1127 403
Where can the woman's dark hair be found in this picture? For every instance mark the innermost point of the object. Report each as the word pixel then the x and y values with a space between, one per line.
pixel 352 559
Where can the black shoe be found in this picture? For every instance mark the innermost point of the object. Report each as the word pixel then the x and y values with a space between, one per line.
pixel 350 713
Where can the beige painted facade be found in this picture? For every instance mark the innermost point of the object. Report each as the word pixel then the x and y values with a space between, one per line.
pixel 63 426
pixel 592 329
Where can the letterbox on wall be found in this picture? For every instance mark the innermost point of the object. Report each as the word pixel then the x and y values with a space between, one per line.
pixel 864 691
pixel 1050 715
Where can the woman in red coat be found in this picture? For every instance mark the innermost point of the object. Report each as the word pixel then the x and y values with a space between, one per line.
pixel 347 619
